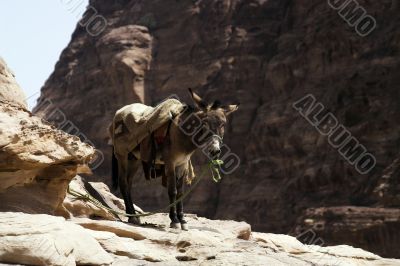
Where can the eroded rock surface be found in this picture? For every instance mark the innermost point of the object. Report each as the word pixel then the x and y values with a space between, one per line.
pixel 37 161
pixel 49 240
pixel 75 207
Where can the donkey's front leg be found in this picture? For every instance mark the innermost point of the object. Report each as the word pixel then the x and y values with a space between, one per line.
pixel 172 192
pixel 133 166
pixel 179 205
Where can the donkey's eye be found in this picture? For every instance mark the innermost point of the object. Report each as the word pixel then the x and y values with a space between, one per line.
pixel 222 125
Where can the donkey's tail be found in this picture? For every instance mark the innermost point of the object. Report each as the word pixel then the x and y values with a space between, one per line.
pixel 114 170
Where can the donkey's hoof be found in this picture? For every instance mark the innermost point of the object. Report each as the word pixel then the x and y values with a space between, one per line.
pixel 175 225
pixel 184 226
pixel 134 220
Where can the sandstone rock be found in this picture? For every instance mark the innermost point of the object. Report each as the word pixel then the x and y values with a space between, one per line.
pixel 266 55
pixel 229 229
pixel 75 207
pixel 211 242
pixel 33 239
pixel 139 250
pixel 28 142
pixel 9 89
pixel 37 161
pixel 47 240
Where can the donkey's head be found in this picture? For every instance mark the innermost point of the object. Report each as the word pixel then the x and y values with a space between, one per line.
pixel 213 118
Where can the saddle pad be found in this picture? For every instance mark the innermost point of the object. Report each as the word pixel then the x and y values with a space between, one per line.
pixel 133 123
pixel 140 120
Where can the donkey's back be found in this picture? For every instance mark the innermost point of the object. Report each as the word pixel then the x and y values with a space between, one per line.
pixel 133 123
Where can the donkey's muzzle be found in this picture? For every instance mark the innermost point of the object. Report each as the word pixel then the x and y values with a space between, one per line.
pixel 215 153
pixel 215 146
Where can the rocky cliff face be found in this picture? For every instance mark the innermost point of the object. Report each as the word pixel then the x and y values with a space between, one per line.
pixel 266 55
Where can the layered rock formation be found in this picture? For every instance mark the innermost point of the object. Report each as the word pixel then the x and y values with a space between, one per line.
pixel 266 55
pixel 48 240
pixel 37 161
pixel 364 227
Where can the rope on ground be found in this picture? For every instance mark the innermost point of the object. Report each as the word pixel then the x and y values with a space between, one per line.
pixel 213 165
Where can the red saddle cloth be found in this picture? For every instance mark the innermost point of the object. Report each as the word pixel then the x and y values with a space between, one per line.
pixel 159 139
pixel 161 133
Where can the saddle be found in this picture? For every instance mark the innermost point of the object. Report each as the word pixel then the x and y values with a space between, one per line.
pixel 150 153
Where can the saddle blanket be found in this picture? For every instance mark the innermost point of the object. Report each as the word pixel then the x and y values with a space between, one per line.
pixel 135 122
pixel 140 120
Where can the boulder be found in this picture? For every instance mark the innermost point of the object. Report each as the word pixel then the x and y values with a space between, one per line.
pixel 74 207
pixel 47 240
pixel 37 161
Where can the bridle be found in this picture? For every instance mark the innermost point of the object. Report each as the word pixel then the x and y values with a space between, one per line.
pixel 203 125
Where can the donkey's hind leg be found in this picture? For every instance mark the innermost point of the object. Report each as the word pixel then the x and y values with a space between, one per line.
pixel 124 185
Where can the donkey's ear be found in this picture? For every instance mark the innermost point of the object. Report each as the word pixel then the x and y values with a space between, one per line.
pixel 200 103
pixel 230 109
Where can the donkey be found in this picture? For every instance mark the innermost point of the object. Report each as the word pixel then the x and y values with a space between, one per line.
pixel 176 151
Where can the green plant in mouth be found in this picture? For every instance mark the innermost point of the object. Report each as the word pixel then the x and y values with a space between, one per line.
pixel 214 167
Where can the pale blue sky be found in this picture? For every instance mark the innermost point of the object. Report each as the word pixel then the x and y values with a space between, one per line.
pixel 33 34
